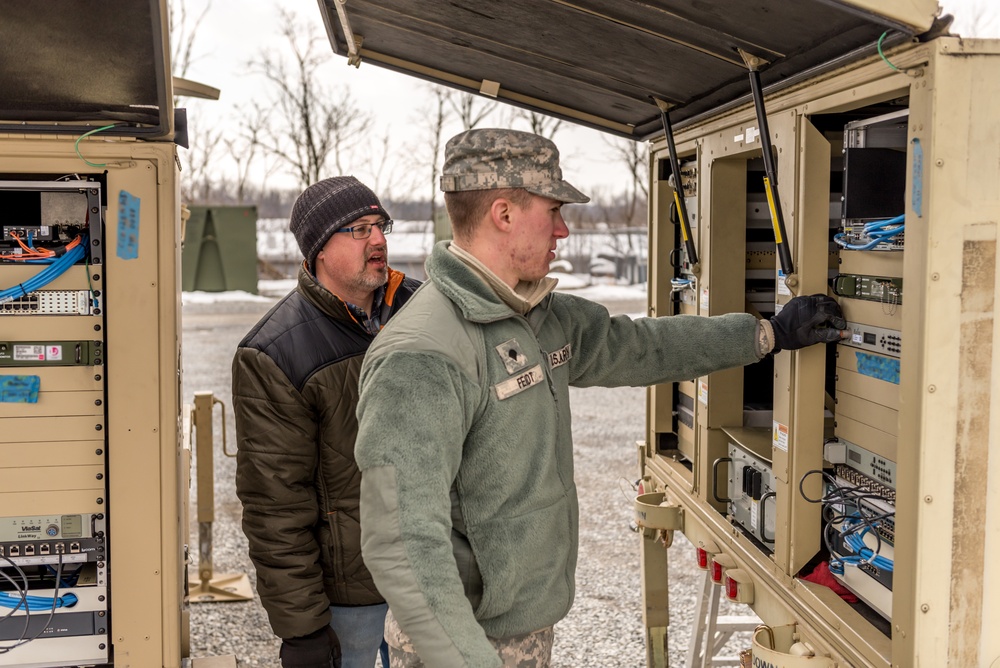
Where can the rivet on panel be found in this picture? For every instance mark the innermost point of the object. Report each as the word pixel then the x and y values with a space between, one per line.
pixel 932 388
pixel 924 607
pixel 939 162
pixel 928 499
pixel 935 276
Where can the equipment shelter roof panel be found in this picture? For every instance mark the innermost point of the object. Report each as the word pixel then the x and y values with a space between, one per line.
pixel 599 62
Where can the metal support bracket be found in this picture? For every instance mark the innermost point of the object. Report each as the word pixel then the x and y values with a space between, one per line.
pixel 211 587
pixel 675 167
pixel 753 64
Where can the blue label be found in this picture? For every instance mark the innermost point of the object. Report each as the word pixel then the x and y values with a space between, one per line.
pixel 876 366
pixel 19 389
pixel 917 189
pixel 128 226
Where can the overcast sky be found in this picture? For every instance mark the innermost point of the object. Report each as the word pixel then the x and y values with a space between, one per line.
pixel 235 31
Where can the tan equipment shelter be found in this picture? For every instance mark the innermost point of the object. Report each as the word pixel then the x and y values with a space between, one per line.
pixel 847 147
pixel 93 470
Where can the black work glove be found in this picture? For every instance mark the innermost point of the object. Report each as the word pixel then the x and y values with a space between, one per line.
pixel 807 320
pixel 319 649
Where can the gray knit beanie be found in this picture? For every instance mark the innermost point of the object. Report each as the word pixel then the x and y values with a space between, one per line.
pixel 325 207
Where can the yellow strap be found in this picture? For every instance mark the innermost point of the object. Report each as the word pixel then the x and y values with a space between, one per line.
pixel 774 212
pixel 680 216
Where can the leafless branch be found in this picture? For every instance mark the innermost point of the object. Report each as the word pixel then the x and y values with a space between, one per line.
pixel 312 130
pixel 470 109
pixel 540 124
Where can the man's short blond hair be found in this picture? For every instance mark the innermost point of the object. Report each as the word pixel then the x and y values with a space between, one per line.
pixel 467 208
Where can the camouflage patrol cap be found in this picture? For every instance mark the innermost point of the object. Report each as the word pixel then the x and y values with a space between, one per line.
pixel 491 158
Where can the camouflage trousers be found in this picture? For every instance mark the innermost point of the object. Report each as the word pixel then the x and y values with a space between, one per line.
pixel 531 650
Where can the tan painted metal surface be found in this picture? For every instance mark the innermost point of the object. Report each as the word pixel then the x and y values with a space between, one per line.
pixel 937 423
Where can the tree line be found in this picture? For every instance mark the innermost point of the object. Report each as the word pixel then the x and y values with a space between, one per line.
pixel 299 126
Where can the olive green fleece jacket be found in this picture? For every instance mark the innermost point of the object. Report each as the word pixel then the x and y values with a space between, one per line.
pixel 469 518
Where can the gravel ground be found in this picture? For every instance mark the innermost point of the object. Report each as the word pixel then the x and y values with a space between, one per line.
pixel 604 628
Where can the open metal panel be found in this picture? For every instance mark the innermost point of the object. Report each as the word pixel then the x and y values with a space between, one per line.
pixel 598 62
pixel 71 66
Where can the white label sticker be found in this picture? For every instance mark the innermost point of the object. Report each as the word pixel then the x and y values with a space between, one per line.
pixel 754 514
pixel 738 137
pixel 703 392
pixel 782 288
pixel 53 353
pixel 752 134
pixel 520 383
pixel 29 353
pixel 704 299
pixel 779 435
pixel 856 338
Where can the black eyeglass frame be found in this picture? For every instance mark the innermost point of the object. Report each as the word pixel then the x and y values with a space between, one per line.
pixel 364 230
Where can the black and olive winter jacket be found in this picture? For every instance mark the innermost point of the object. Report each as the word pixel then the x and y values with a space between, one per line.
pixel 295 391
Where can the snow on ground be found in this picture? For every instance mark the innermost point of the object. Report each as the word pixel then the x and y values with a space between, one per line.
pixel 577 284
pixel 202 297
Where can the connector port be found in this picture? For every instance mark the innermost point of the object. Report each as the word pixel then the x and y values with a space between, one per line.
pixel 29 550
pixel 44 548
pixel 74 547
pixel 15 551
pixel 871 570
pixel 887 531
pixel 60 548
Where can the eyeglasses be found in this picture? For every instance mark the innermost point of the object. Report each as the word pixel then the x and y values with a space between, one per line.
pixel 364 230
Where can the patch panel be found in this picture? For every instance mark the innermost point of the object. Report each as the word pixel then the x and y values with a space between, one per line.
pixel 855 478
pixel 53 302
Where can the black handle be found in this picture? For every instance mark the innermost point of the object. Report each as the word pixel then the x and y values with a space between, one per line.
pixel 715 479
pixel 763 515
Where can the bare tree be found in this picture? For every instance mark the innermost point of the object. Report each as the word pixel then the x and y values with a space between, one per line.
pixel 383 167
pixel 246 149
pixel 199 180
pixel 183 33
pixel 312 128
pixel 634 157
pixel 470 109
pixel 540 124
pixel 196 178
pixel 436 117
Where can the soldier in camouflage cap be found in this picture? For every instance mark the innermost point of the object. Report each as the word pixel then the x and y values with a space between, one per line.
pixel 493 158
pixel 469 513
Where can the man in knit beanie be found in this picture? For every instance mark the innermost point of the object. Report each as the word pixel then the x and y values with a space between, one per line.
pixel 295 392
